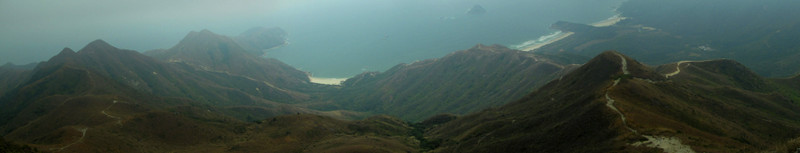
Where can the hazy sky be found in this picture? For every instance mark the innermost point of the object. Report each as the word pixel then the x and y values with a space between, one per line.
pixel 36 30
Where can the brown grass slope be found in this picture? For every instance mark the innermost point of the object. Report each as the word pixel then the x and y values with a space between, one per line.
pixel 312 133
pixel 69 108
pixel 789 87
pixel 459 83
pixel 152 76
pixel 715 106
pixel 62 85
pixel 566 115
pixel 722 72
pixel 9 147
pixel 13 76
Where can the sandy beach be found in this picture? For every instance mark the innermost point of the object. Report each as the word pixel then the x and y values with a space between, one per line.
pixel 607 22
pixel 328 81
pixel 554 39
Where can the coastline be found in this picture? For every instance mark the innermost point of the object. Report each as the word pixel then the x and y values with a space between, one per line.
pixel 265 51
pixel 327 81
pixel 549 39
pixel 557 37
pixel 609 22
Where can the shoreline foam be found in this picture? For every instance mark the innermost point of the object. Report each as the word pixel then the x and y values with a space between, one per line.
pixel 609 22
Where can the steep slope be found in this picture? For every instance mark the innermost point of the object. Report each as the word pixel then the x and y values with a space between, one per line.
pixel 74 103
pixel 613 103
pixel 722 72
pixel 716 105
pixel 207 51
pixel 241 96
pixel 93 113
pixel 64 104
pixel 459 83
pixel 127 66
pixel 789 87
pixel 311 133
pixel 11 147
pixel 13 76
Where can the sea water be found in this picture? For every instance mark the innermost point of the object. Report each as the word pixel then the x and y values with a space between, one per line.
pixel 343 38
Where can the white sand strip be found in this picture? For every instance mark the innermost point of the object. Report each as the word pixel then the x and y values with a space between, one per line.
pixel 328 81
pixel 539 45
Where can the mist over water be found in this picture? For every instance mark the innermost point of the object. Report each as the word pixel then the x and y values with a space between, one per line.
pixel 344 38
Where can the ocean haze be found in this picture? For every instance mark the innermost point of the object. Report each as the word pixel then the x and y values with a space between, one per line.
pixel 334 39
pixel 36 30
pixel 327 38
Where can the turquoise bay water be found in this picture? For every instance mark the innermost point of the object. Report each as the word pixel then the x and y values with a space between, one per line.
pixel 338 39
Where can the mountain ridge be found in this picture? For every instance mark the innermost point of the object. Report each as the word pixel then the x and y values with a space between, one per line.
pixel 207 93
pixel 456 83
pixel 208 51
pixel 601 108
pixel 149 75
pixel 80 102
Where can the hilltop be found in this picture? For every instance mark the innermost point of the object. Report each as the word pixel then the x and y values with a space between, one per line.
pixel 614 103
pixel 461 82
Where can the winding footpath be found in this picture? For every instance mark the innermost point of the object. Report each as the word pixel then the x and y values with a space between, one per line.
pixel 610 102
pixel 119 119
pixel 83 131
pixel 668 144
pixel 678 67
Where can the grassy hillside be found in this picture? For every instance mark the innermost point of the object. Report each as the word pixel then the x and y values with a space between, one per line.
pixel 459 83
pixel 713 106
pixel 13 76
pixel 68 107
pixel 178 80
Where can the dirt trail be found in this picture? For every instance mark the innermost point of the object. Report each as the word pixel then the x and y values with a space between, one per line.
pixel 678 67
pixel 610 101
pixel 119 119
pixel 668 144
pixel 83 131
